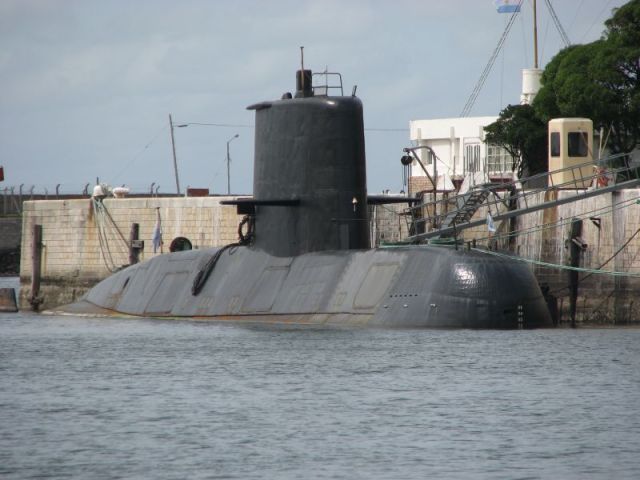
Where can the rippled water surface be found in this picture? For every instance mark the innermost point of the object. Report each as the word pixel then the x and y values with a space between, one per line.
pixel 142 398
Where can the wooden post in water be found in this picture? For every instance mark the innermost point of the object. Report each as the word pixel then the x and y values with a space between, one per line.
pixel 134 250
pixel 576 247
pixel 36 267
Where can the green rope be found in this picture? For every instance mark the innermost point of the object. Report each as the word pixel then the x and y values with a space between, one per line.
pixel 558 266
pixel 546 226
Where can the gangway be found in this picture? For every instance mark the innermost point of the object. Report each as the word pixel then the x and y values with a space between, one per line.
pixel 448 216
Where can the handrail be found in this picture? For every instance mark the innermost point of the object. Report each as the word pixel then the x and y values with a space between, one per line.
pixel 326 86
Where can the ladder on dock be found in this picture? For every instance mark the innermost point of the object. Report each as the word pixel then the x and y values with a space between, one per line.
pixel 467 205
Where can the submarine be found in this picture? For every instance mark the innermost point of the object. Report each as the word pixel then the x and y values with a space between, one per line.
pixel 304 254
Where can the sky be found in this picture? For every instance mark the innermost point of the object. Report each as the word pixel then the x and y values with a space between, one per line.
pixel 87 86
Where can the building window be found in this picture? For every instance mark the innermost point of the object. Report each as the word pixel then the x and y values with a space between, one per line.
pixel 577 144
pixel 426 157
pixel 555 144
pixel 498 159
pixel 472 158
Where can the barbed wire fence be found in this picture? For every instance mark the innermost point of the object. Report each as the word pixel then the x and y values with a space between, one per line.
pixel 12 196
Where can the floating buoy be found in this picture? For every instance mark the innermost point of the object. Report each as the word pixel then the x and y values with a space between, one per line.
pixel 8 300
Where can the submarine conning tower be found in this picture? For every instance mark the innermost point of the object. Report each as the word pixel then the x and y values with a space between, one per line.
pixel 309 173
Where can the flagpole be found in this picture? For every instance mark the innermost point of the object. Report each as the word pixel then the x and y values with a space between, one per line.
pixel 535 36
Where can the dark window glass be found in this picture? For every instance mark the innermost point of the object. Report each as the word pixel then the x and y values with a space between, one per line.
pixel 578 144
pixel 555 144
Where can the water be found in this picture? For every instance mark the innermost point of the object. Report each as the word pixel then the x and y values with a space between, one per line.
pixel 142 398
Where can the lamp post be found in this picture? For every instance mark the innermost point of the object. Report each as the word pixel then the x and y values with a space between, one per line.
pixel 229 164
pixel 412 151
pixel 175 162
pixel 407 159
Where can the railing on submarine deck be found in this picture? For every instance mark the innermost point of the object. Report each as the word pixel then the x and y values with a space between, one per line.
pixel 427 218
pixel 323 89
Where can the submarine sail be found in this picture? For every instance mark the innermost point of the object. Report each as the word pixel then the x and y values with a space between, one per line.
pixel 310 150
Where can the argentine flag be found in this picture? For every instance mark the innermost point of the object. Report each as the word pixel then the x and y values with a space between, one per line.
pixel 507 6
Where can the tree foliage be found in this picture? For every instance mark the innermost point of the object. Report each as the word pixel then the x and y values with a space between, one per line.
pixel 600 81
pixel 521 133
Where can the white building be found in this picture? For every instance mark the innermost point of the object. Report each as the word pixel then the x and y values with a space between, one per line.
pixel 458 144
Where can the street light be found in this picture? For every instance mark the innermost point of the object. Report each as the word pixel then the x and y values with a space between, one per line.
pixel 173 147
pixel 229 164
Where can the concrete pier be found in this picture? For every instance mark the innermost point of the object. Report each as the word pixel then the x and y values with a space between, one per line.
pixel 610 241
pixel 82 245
pixel 79 249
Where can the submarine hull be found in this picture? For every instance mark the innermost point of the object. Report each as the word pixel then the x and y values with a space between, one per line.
pixel 305 257
pixel 407 287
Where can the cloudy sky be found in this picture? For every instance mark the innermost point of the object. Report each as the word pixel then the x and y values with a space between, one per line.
pixel 87 85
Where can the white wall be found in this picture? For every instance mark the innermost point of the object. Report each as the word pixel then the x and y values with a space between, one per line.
pixel 447 137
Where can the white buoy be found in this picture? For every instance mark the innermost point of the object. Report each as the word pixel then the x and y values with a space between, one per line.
pixel 120 192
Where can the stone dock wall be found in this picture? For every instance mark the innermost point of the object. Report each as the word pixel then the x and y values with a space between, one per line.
pixel 610 233
pixel 82 245
pixel 611 239
pixel 74 258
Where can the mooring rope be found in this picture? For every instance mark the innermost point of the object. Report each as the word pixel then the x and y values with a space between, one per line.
pixel 591 271
pixel 590 213
pixel 102 219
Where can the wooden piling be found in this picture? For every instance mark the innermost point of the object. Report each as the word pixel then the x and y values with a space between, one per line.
pixel 134 250
pixel 575 249
pixel 36 261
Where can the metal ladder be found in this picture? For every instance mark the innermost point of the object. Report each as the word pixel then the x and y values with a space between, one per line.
pixel 467 205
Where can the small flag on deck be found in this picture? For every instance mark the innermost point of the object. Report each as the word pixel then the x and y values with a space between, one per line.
pixel 490 225
pixel 507 6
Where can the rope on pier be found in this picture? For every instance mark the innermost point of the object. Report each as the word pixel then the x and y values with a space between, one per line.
pixel 104 221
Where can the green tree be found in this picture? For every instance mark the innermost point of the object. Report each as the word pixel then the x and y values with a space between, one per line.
pixel 521 133
pixel 600 81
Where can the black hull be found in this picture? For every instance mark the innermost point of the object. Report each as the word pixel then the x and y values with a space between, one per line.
pixel 406 287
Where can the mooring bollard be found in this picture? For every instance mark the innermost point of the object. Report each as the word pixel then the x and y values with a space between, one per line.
pixel 8 302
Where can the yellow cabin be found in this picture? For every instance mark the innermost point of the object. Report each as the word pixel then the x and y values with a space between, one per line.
pixel 571 144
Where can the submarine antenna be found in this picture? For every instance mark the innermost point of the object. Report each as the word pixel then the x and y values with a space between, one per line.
pixel 302 65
